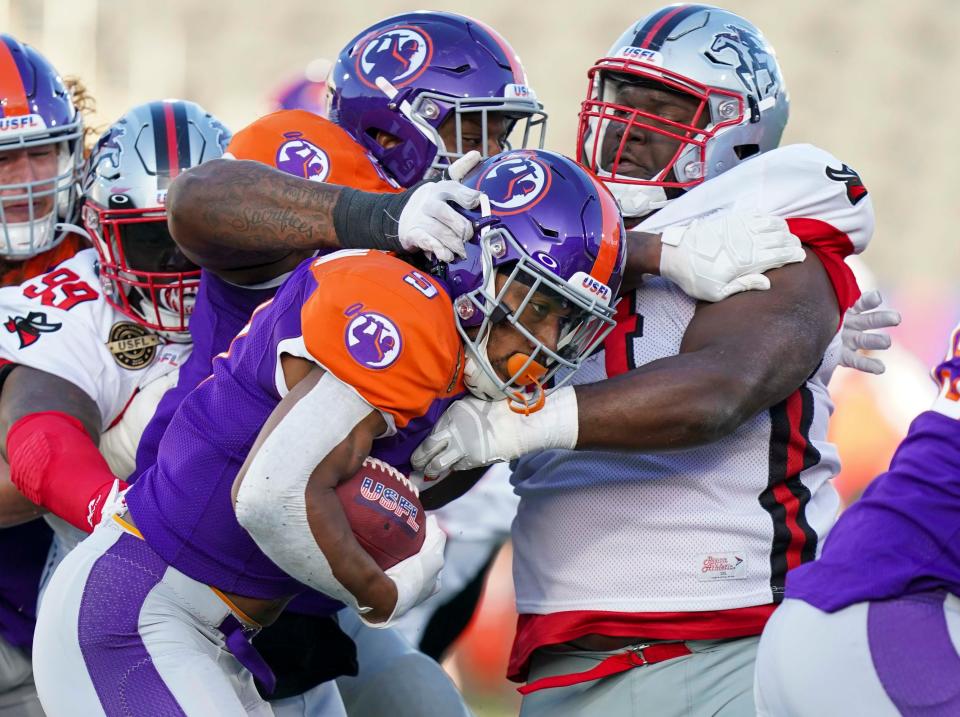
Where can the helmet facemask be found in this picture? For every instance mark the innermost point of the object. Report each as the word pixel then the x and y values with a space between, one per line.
pixel 607 127
pixel 589 320
pixel 524 120
pixel 143 272
pixel 43 227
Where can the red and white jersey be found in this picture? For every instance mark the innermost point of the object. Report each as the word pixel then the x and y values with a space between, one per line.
pixel 60 322
pixel 714 528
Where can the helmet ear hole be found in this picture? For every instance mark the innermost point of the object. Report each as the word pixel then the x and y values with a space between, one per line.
pixel 746 150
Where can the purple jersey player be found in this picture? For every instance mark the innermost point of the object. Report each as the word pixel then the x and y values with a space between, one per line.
pixel 356 355
pixel 873 626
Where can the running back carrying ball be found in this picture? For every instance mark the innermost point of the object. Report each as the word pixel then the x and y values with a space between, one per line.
pixel 384 509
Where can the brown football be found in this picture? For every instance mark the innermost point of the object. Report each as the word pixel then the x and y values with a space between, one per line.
pixel 384 510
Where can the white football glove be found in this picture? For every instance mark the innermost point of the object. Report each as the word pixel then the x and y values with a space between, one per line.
pixel 417 577
pixel 861 318
pixel 427 223
pixel 473 433
pixel 717 256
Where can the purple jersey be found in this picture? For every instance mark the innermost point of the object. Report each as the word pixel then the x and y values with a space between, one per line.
pixel 353 314
pixel 221 311
pixel 900 538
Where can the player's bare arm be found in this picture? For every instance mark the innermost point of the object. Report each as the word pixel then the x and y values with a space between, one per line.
pixel 14 508
pixel 235 215
pixel 28 391
pixel 738 357
pixel 37 465
pixel 351 566
pixel 250 223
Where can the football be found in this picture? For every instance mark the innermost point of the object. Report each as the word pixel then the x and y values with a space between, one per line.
pixel 384 510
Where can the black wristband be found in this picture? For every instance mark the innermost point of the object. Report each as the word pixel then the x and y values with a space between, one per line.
pixel 363 220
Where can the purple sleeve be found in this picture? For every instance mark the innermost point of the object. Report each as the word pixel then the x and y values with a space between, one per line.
pixel 220 312
pixel 902 536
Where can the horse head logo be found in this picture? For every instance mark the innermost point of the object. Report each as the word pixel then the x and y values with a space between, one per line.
pixel 399 55
pixel 743 50
pixel 302 158
pixel 515 184
pixel 373 340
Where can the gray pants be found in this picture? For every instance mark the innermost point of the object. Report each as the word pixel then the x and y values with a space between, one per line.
pixel 18 696
pixel 716 680
pixel 395 680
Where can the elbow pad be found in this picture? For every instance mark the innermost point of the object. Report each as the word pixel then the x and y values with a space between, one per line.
pixel 271 501
pixel 55 464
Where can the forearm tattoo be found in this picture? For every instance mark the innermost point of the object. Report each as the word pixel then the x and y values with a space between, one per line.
pixel 260 209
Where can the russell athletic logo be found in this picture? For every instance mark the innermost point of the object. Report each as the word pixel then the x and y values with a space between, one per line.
pixel 515 184
pixel 399 54
pixel 372 339
pixel 302 158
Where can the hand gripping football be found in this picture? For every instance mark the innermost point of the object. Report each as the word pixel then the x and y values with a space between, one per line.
pixel 384 510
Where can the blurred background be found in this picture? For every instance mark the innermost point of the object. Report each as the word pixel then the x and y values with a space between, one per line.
pixel 872 81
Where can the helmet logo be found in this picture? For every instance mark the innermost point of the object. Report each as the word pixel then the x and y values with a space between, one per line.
pixel 302 158
pixel 547 260
pixel 750 57
pixel 105 158
pixel 515 184
pixel 399 54
pixel 372 339
pixel 19 123
pixel 641 54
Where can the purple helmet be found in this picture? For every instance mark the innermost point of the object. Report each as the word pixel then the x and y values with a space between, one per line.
pixel 36 111
pixel 552 226
pixel 410 73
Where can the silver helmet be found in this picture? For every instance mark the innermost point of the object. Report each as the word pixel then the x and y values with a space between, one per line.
pixel 727 79
pixel 125 188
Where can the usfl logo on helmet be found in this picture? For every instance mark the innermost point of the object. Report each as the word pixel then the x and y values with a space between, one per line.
pixel 399 54
pixel 302 158
pixel 515 184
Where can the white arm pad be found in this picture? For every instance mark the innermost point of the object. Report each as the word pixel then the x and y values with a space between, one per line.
pixel 271 502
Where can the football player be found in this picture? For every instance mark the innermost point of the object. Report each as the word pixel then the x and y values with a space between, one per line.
pixel 143 318
pixel 41 150
pixel 873 625
pixel 85 337
pixel 377 348
pixel 683 119
pixel 440 118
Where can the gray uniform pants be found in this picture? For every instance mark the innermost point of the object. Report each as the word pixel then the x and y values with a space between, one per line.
pixel 18 696
pixel 716 680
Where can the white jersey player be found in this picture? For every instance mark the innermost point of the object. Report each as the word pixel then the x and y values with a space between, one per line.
pixel 629 559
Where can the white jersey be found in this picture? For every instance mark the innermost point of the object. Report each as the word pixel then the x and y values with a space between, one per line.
pixel 708 528
pixel 60 322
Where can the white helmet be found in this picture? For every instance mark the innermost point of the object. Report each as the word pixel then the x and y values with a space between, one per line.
pixel 709 55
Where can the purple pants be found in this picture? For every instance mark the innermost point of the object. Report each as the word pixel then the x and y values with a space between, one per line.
pixel 891 657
